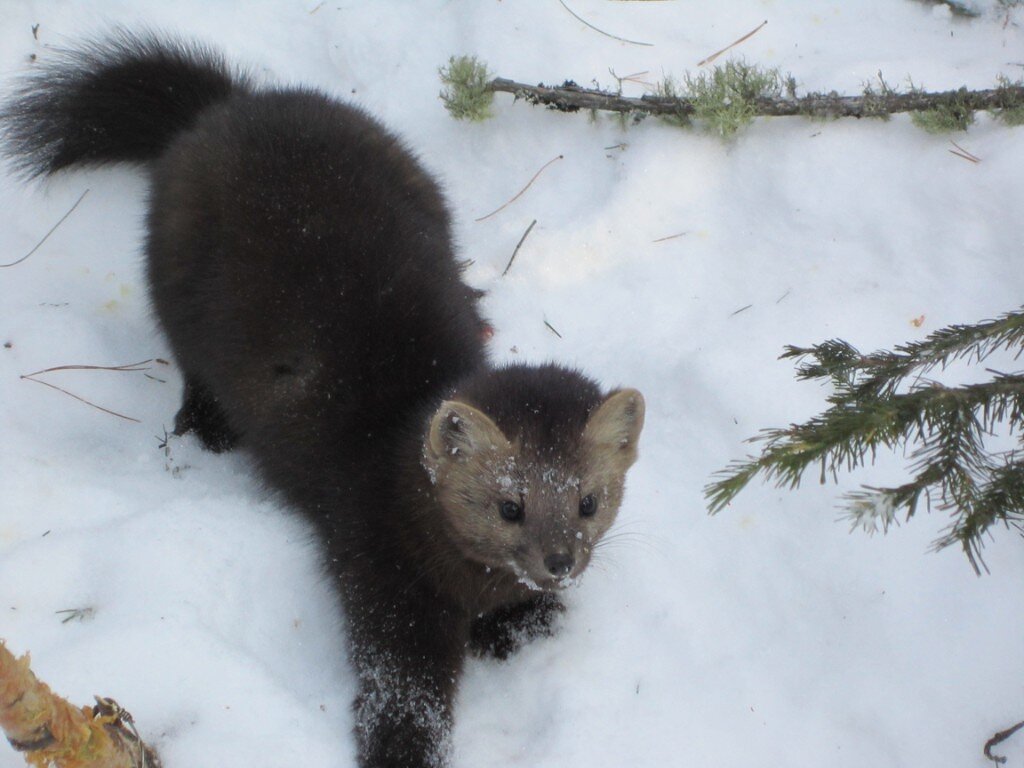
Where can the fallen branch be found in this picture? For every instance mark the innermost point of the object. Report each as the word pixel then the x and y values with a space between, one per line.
pixel 729 96
pixel 570 97
pixel 52 732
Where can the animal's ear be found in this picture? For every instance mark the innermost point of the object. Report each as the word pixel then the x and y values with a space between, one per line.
pixel 460 432
pixel 613 430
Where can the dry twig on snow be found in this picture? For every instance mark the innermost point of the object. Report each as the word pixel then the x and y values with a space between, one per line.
pixel 570 97
pixel 45 237
pixel 519 194
pixel 730 46
pixel 999 738
pixel 729 96
pixel 128 368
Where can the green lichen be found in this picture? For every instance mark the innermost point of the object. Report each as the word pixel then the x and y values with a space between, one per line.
pixel 817 106
pixel 668 89
pixel 1011 97
pixel 725 97
pixel 466 95
pixel 875 99
pixel 951 114
pixel 1012 116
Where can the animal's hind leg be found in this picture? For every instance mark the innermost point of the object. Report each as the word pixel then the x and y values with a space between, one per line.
pixel 201 413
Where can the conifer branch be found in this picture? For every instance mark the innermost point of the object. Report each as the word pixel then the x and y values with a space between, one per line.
pixel 881 401
pixel 882 372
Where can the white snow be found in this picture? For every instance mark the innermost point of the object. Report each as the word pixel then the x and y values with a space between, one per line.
pixel 769 635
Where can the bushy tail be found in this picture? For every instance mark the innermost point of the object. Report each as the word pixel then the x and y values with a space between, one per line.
pixel 122 98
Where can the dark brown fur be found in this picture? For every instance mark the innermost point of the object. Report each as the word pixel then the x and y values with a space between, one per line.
pixel 301 265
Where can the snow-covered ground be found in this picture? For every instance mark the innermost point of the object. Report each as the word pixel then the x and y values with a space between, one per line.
pixel 766 636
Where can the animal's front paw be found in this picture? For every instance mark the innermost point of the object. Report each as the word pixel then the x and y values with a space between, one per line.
pixel 503 631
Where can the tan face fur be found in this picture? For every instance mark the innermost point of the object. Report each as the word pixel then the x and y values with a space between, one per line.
pixel 476 470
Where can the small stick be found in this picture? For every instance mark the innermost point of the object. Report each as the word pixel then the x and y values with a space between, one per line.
pixel 670 237
pixel 634 78
pixel 520 193
pixel 963 153
pixel 552 329
pixel 82 399
pixel 747 36
pixel 518 246
pixel 965 157
pixel 741 309
pixel 129 367
pixel 606 34
pixel 999 738
pixel 571 98
pixel 47 235
pixel 77 614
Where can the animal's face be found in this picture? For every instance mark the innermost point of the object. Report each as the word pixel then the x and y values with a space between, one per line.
pixel 523 504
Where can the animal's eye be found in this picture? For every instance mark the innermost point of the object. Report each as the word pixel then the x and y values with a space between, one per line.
pixel 588 505
pixel 511 511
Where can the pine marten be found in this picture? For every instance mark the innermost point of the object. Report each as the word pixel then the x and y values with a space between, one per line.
pixel 301 264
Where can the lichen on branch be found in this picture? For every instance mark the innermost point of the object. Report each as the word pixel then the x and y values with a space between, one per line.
pixel 728 96
pixel 466 94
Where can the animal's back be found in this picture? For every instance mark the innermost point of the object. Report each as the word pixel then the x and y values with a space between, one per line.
pixel 298 235
pixel 297 252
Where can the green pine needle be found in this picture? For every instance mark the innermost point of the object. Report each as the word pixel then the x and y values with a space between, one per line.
pixel 880 401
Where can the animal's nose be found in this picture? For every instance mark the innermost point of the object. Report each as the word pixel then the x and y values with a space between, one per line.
pixel 558 564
